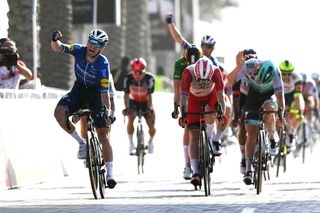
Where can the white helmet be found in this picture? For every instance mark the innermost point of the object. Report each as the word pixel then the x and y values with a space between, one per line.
pixel 204 69
pixel 207 39
pixel 99 35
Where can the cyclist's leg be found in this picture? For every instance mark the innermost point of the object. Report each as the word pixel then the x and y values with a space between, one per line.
pixel 131 114
pixel 253 103
pixel 104 138
pixel 242 134
pixel 194 105
pixel 294 118
pixel 67 105
pixel 269 120
pixel 193 152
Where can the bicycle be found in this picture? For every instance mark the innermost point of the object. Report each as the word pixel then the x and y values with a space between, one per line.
pixel 261 156
pixel 141 147
pixel 206 160
pixel 94 161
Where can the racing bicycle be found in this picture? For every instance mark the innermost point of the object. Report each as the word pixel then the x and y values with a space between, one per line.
pixel 141 147
pixel 94 161
pixel 206 159
pixel 261 159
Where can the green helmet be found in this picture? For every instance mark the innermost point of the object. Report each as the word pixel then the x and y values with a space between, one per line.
pixel 267 72
pixel 286 67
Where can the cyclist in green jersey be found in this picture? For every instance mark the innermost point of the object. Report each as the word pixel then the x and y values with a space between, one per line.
pixel 191 55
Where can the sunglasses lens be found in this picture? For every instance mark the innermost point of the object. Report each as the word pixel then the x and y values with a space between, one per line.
pixel 94 42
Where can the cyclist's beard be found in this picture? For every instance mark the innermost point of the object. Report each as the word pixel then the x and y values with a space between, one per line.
pixel 91 56
pixel 94 56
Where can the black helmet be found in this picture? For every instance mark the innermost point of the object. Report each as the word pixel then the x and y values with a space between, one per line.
pixel 192 54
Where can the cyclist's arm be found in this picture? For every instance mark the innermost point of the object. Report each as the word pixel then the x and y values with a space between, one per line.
pixel 231 77
pixel 186 80
pixel 176 35
pixel 149 102
pixel 57 46
pixel 105 99
pixel 219 84
pixel 126 100
pixel 24 70
pixel 176 91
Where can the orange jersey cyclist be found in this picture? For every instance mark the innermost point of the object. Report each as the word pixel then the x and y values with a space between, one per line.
pixel 91 88
pixel 201 82
pixel 138 88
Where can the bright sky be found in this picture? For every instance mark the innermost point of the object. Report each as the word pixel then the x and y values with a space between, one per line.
pixel 276 29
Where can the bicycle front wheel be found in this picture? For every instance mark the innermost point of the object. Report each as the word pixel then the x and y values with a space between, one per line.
pixel 259 162
pixel 205 162
pixel 140 149
pixel 93 164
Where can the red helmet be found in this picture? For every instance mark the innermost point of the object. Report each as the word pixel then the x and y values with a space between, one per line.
pixel 204 69
pixel 138 64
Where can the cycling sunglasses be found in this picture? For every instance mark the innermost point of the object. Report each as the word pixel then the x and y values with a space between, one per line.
pixel 209 46
pixel 95 42
pixel 286 74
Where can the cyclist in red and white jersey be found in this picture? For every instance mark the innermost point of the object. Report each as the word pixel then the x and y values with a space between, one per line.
pixel 207 47
pixel 201 82
pixel 138 88
pixel 190 56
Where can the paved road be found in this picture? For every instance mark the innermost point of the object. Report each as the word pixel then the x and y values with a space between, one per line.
pixel 162 189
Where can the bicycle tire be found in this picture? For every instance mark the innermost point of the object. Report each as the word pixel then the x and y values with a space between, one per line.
pixel 102 177
pixel 140 149
pixel 280 152
pixel 205 162
pixel 92 165
pixel 304 140
pixel 259 166
pixel 201 161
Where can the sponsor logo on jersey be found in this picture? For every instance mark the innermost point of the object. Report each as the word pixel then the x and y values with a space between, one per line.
pixel 70 47
pixel 104 83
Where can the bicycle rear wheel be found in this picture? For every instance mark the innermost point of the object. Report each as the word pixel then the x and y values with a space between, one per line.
pixel 92 164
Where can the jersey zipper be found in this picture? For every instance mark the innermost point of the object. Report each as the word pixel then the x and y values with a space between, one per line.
pixel 84 75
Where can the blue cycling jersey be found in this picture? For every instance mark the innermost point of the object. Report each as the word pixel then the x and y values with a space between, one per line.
pixel 94 74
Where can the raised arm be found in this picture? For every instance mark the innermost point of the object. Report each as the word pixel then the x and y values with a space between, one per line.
pixel 176 35
pixel 240 59
pixel 56 44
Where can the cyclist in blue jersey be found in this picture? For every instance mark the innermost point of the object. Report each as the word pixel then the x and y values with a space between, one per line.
pixel 91 88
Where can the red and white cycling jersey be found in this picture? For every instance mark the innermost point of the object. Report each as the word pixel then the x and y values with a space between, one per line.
pixel 139 91
pixel 191 86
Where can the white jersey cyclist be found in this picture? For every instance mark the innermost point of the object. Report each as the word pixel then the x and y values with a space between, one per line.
pixel 249 77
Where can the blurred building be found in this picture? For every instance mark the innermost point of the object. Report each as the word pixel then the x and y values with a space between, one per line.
pixel 136 28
